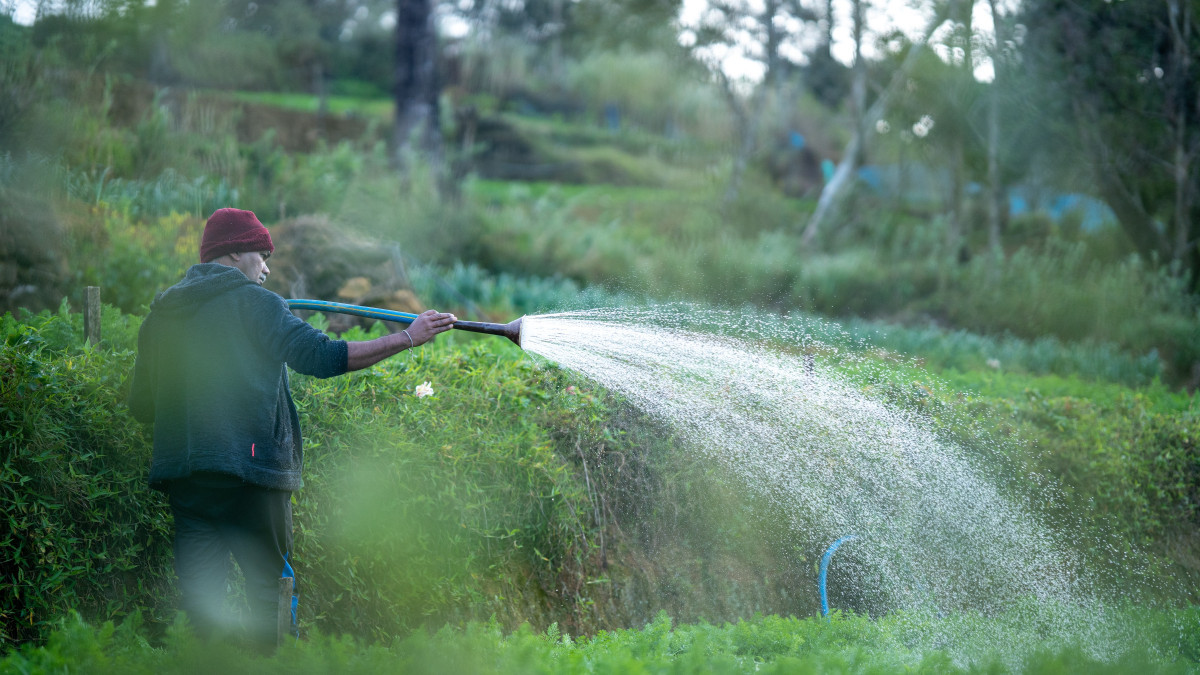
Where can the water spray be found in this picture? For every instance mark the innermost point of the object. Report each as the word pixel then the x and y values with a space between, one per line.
pixel 825 569
pixel 511 330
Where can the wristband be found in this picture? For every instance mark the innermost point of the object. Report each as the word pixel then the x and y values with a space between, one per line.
pixel 411 344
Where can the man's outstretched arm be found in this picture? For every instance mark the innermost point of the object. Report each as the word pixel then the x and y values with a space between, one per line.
pixel 367 353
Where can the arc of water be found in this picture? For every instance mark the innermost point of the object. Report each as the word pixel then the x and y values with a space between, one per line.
pixel 825 570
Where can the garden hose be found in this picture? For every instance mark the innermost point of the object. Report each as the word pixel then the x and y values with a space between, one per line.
pixel 825 569
pixel 511 330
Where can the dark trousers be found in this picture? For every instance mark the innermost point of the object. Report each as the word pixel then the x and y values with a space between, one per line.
pixel 218 515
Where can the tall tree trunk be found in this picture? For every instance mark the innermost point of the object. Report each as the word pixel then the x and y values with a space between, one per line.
pixel 556 57
pixel 322 94
pixel 747 115
pixel 417 130
pixel 828 38
pixel 957 235
pixel 843 175
pixel 774 37
pixel 956 228
pixel 836 188
pixel 1180 21
pixel 160 71
pixel 1182 195
pixel 995 191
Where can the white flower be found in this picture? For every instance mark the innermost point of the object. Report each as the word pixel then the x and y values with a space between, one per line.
pixel 994 363
pixel 424 389
pixel 923 126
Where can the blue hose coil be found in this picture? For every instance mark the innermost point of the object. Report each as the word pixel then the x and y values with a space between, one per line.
pixel 825 569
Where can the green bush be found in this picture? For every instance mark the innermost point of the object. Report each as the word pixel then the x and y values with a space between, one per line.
pixel 131 263
pixel 1124 464
pixel 82 534
pixel 504 296
pixel 649 93
pixel 1063 292
pixel 1136 465
pixel 961 350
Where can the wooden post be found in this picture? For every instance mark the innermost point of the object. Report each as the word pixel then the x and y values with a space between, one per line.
pixel 91 315
pixel 284 620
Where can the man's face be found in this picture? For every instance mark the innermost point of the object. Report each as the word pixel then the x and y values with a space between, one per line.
pixel 253 265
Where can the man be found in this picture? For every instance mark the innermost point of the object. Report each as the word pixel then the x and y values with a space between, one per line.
pixel 211 376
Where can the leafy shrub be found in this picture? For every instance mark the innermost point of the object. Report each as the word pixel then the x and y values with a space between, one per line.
pixel 1063 292
pixel 131 263
pixel 1136 465
pixel 497 63
pixel 504 296
pixel 79 537
pixel 424 225
pixel 1123 464
pixel 961 350
pixel 647 90
pixel 86 534
pixel 410 500
pixel 232 60
pixel 20 79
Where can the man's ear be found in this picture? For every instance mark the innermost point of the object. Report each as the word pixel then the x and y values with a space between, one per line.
pixel 235 257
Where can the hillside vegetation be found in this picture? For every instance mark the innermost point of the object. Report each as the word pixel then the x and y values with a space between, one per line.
pixel 522 519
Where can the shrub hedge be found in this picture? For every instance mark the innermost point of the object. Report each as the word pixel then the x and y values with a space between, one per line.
pixel 82 532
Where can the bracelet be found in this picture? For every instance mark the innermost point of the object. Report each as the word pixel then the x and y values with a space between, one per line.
pixel 411 344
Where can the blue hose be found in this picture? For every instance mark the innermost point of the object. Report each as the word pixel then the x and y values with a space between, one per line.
pixel 356 310
pixel 510 330
pixel 825 569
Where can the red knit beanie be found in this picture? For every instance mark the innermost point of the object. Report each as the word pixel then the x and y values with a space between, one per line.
pixel 233 231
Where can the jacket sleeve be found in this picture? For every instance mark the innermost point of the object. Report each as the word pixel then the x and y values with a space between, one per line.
pixel 142 388
pixel 290 339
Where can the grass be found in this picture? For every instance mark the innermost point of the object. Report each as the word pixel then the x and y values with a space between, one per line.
pixel 380 108
pixel 1167 642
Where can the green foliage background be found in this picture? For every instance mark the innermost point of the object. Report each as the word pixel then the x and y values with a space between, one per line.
pixel 518 493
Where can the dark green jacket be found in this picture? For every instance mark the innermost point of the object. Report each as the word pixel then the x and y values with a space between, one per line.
pixel 211 376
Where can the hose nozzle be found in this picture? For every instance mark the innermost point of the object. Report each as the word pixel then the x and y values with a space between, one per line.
pixel 510 330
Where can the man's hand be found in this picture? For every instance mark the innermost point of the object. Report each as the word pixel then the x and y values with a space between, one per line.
pixel 428 324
